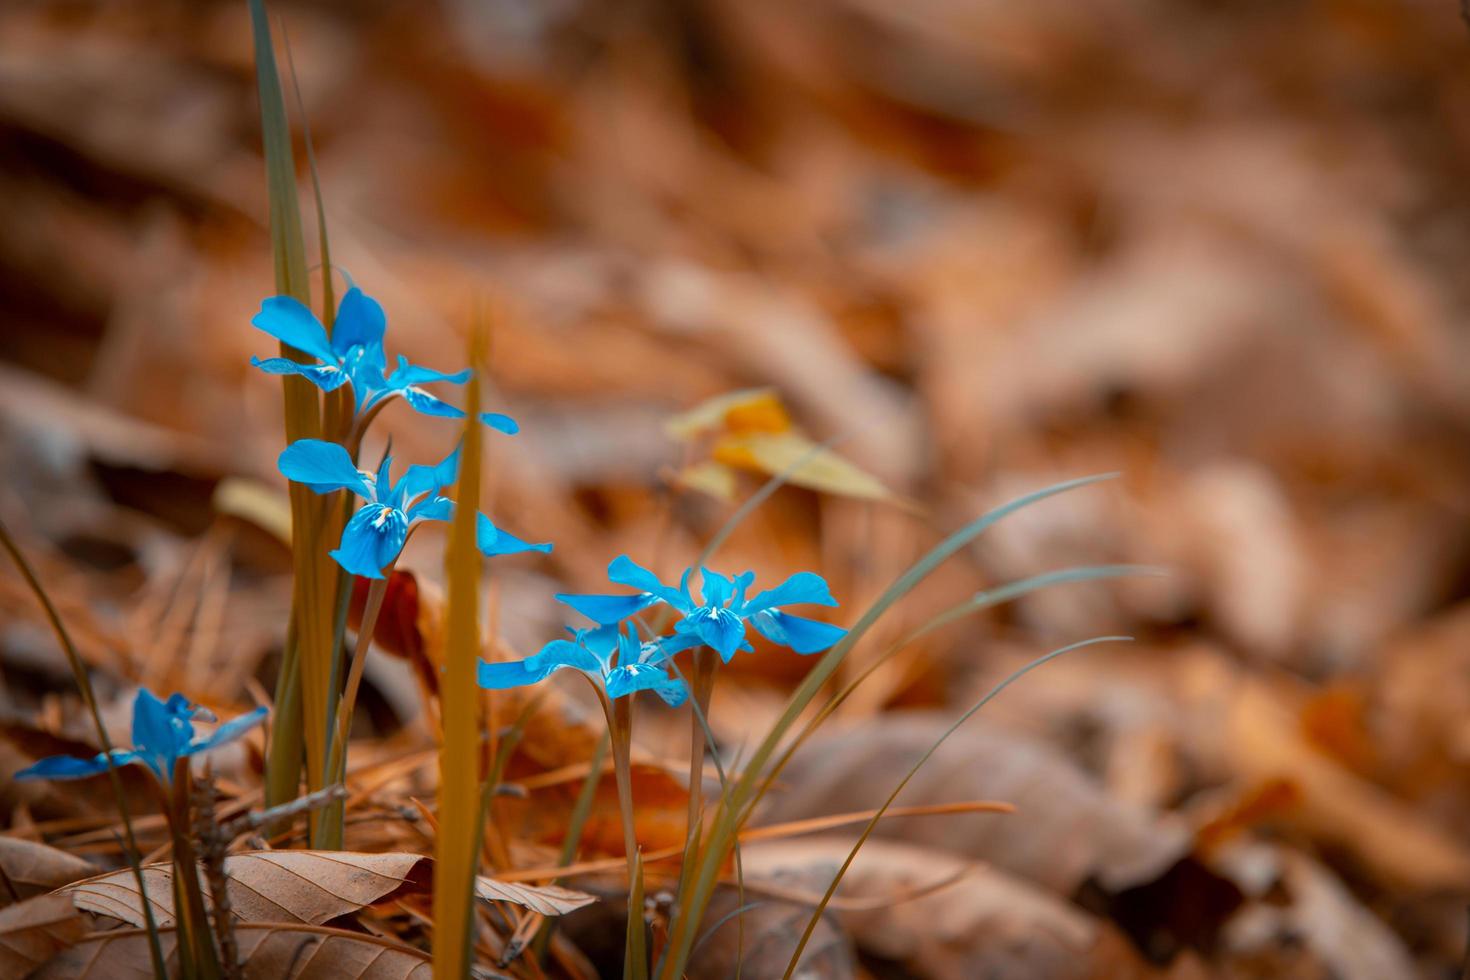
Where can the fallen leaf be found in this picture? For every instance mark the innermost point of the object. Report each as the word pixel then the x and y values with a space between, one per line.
pixel 33 931
pixel 33 868
pixel 280 952
pixel 985 924
pixel 542 899
pixel 266 886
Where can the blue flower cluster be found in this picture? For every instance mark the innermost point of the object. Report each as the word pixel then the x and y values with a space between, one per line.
pixel 718 620
pixel 353 355
pixel 163 733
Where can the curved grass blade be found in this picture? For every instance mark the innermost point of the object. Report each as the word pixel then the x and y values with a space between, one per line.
pixel 733 808
pixel 868 830
pixel 84 685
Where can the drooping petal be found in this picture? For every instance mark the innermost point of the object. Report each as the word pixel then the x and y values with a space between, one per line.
pixel 625 571
pixel 622 681
pixel 552 657
pixel 500 423
pixel 608 609
pixel 801 587
pixel 227 732
pixel 407 374
pixel 797 632
pixel 327 377
pixel 426 404
pixel 360 323
pixel 493 541
pixel 288 320
pixel 323 466
pixel 371 540
pixel 720 629
pixel 431 509
pixel 70 767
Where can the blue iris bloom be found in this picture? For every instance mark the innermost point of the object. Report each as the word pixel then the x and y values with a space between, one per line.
pixel 163 733
pixel 637 666
pixel 718 621
pixel 354 355
pixel 376 534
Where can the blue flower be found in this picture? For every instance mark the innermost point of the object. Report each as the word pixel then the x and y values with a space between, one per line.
pixel 718 621
pixel 376 534
pixel 163 733
pixel 638 667
pixel 354 355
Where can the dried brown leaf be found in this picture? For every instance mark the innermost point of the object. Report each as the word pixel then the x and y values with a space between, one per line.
pixel 33 868
pixel 542 899
pixel 267 886
pixel 33 931
pixel 295 952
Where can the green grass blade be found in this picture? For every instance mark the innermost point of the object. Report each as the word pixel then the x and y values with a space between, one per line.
pixel 878 815
pixel 315 578
pixel 727 823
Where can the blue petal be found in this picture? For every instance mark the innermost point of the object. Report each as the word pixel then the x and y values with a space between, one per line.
pixel 371 540
pixel 227 732
pixel 666 647
pixel 797 632
pixel 364 366
pixel 716 587
pixel 360 323
pixel 622 681
pixel 553 657
pixel 720 629
pixel 625 571
pixel 325 376
pixel 161 729
pixel 287 320
pixel 70 767
pixel 493 541
pixel 431 509
pixel 608 609
pixel 323 466
pixel 411 374
pixel 801 587
pixel 424 479
pixel 601 642
pixel 426 404
pixel 500 423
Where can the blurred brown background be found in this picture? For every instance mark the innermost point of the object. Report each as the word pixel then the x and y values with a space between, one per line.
pixel 1220 248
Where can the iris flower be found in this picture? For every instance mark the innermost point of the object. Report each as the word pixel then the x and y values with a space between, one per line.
pixel 718 621
pixel 639 666
pixel 376 534
pixel 163 733
pixel 354 355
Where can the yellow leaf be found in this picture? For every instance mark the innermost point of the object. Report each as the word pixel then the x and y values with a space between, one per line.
pixel 263 506
pixel 748 410
pixel 824 470
pixel 715 479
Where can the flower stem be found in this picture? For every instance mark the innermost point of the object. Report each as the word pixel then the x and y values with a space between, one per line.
pixel 705 663
pixel 193 919
pixel 330 827
pixel 620 729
